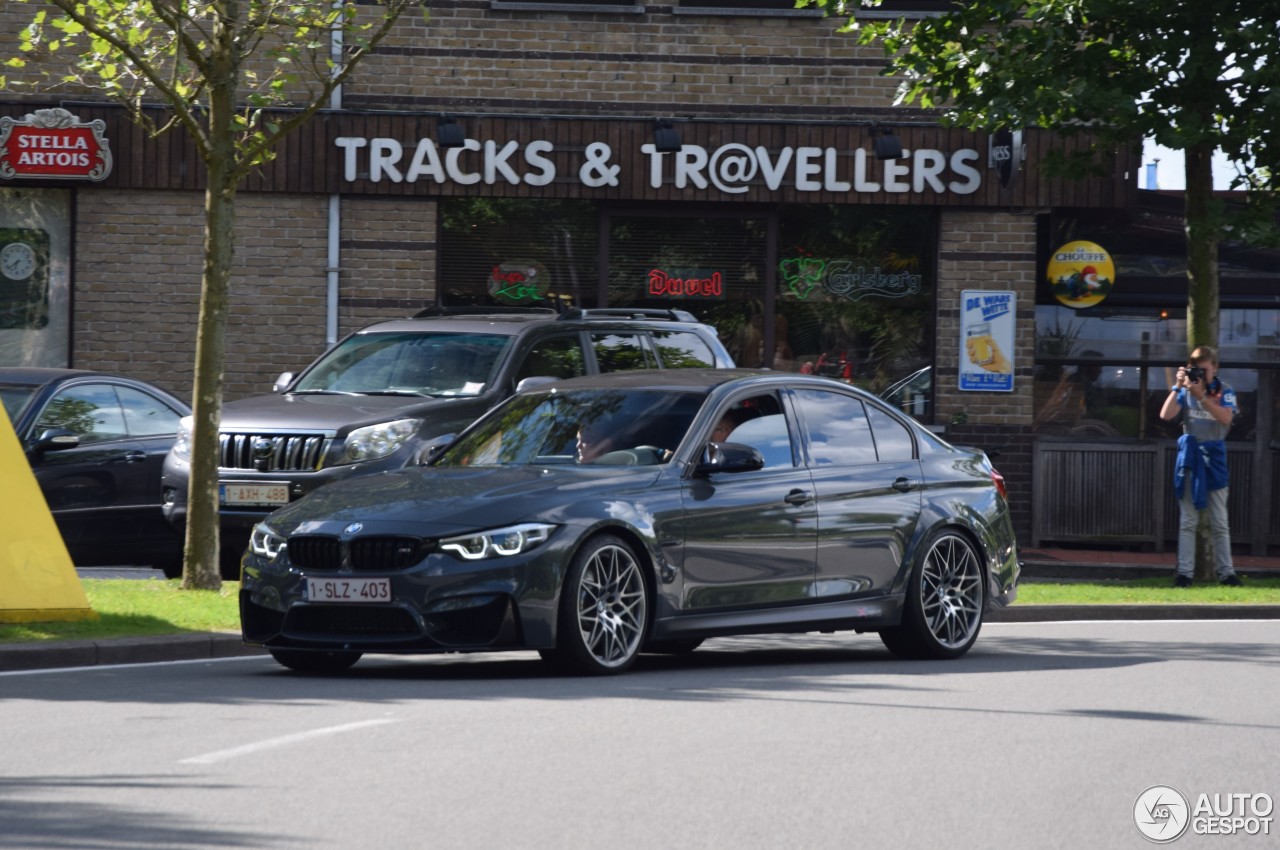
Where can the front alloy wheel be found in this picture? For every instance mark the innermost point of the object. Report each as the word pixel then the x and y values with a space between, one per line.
pixel 604 610
pixel 944 605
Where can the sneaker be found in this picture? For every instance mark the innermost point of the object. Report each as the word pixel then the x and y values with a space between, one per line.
pixel 1232 580
pixel 1181 581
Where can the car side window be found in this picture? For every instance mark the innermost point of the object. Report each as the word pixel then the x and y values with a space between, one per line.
pixel 893 440
pixel 90 411
pixel 760 423
pixel 553 357
pixel 620 352
pixel 836 427
pixel 683 350
pixel 145 415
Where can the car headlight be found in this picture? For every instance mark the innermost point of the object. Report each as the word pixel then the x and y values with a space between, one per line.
pixel 498 542
pixel 265 543
pixel 182 446
pixel 375 441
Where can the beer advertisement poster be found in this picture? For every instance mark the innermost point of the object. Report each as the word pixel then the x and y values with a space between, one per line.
pixel 986 340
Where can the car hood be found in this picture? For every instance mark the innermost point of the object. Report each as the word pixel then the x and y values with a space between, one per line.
pixel 436 502
pixel 337 413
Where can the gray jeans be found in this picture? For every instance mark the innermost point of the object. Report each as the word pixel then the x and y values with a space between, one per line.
pixel 1219 532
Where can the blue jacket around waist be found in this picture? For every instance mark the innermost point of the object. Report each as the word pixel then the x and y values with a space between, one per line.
pixel 1204 464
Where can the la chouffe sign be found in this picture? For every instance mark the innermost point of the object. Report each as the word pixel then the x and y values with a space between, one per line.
pixel 53 143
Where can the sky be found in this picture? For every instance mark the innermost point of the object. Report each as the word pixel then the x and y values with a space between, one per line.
pixel 1169 170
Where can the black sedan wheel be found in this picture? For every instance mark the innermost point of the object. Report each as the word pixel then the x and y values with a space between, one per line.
pixel 604 612
pixel 315 662
pixel 945 600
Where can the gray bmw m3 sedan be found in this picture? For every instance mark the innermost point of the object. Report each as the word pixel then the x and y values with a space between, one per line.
pixel 600 517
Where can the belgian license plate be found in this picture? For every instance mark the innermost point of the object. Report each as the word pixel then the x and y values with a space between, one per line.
pixel 348 590
pixel 271 493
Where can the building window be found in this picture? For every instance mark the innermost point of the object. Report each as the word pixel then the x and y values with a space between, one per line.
pixel 855 295
pixel 35 277
pixel 517 253
pixel 711 266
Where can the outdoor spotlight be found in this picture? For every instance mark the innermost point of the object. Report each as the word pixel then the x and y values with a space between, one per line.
pixel 885 143
pixel 449 133
pixel 666 139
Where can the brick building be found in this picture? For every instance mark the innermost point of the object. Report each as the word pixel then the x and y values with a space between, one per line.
pixel 769 213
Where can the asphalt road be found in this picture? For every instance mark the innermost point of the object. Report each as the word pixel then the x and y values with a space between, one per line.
pixel 1043 736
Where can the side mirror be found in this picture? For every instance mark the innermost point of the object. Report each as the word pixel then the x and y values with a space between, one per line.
pixel 282 383
pixel 434 448
pixel 534 381
pixel 56 439
pixel 729 457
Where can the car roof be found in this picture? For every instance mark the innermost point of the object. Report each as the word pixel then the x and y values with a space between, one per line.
pixel 38 376
pixel 700 379
pixel 511 324
pixel 661 379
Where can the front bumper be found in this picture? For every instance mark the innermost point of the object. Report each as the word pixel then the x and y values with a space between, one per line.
pixel 441 604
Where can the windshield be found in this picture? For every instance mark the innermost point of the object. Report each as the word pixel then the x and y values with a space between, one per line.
pixel 603 427
pixel 15 398
pixel 434 364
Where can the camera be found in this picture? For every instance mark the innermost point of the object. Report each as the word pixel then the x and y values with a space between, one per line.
pixel 1194 374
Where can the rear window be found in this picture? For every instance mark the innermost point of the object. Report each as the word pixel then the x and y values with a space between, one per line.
pixel 683 350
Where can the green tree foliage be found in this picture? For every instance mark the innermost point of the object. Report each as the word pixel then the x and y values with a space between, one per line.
pixel 237 76
pixel 1195 75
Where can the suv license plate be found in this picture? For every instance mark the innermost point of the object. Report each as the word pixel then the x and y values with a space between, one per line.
pixel 271 493
pixel 348 590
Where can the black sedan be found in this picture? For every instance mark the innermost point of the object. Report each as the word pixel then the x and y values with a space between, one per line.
pixel 96 443
pixel 646 511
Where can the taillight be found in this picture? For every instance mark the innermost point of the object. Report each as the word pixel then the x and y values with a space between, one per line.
pixel 998 480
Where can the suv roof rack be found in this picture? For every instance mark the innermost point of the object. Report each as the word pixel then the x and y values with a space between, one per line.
pixel 630 313
pixel 476 310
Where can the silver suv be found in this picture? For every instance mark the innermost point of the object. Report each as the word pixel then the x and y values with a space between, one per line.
pixel 388 395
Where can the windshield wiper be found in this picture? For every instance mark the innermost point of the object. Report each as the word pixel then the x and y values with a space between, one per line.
pixel 323 392
pixel 400 392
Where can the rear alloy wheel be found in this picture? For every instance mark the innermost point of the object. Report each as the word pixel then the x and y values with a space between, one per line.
pixel 305 661
pixel 945 600
pixel 604 609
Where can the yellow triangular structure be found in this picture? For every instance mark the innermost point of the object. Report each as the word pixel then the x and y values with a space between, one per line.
pixel 38 582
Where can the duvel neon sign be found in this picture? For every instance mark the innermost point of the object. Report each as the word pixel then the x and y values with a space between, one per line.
pixel 685 284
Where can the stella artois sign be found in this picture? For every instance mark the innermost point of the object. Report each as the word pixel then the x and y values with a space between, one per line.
pixel 52 143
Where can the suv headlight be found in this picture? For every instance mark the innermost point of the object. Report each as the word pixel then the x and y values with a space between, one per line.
pixel 182 446
pixel 375 441
pixel 498 542
pixel 265 543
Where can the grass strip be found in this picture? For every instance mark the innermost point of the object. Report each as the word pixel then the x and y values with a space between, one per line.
pixel 1148 591
pixel 137 608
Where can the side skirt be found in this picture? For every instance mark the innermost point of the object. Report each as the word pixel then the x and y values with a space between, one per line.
pixel 849 615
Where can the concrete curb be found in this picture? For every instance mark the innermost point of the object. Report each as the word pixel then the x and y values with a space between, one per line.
pixel 1154 611
pixel 193 647
pixel 1101 572
pixel 140 650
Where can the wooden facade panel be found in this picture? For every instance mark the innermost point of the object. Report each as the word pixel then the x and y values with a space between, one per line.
pixel 310 161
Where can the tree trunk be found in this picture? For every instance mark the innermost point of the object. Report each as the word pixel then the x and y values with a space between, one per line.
pixel 201 568
pixel 1202 289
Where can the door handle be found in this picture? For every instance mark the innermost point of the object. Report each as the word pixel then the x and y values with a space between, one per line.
pixel 905 485
pixel 798 497
pixel 134 457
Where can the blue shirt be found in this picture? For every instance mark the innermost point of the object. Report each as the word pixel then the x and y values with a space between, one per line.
pixel 1198 422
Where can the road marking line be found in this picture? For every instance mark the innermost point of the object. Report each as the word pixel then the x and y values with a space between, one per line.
pixel 282 741
pixel 87 668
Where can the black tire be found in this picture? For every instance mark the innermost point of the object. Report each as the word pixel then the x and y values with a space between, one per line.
pixel 307 661
pixel 170 566
pixel 946 598
pixel 604 609
pixel 673 647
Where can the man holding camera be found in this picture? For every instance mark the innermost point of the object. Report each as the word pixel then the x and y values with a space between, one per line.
pixel 1200 473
